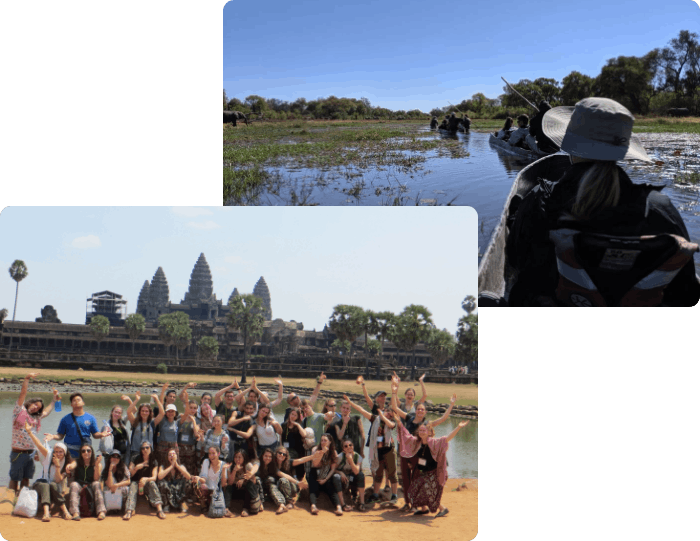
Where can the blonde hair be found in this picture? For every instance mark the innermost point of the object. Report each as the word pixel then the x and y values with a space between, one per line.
pixel 598 189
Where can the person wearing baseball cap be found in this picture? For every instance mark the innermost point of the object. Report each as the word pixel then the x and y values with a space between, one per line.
pixel 593 237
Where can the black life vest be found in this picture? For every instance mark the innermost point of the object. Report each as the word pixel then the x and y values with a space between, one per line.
pixel 604 270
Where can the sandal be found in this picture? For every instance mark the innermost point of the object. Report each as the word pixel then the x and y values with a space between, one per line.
pixel 67 516
pixel 419 512
pixel 347 508
pixel 443 512
pixel 290 506
pixel 160 515
pixel 244 513
pixel 127 516
pixel 46 518
pixel 101 516
pixel 228 514
pixel 281 509
pixel 75 517
pixel 406 507
pixel 314 510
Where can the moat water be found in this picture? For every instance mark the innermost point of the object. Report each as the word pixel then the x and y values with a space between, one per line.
pixel 482 180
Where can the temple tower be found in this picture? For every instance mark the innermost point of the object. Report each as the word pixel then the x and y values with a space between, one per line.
pixel 158 296
pixel 201 284
pixel 144 296
pixel 234 294
pixel 263 292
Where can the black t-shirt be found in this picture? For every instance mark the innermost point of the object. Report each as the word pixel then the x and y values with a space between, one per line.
pixel 425 454
pixel 121 438
pixel 143 472
pixel 411 425
pixel 221 409
pixel 243 426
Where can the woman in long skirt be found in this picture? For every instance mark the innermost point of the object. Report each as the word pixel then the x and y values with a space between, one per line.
pixel 430 476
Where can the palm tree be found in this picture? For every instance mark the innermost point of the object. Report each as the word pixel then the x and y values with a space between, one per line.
pixel 371 326
pixel 135 325
pixel 385 324
pixel 99 328
pixel 347 322
pixel 414 325
pixel 246 315
pixel 18 272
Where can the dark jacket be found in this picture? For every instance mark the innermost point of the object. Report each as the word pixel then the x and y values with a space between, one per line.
pixel 642 210
pixel 544 143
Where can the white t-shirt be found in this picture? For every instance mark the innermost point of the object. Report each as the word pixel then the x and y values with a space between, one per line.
pixel 266 434
pixel 210 475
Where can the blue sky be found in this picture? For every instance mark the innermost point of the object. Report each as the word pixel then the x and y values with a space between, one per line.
pixel 312 258
pixel 416 54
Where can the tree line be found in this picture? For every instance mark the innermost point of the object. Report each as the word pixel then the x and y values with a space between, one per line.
pixel 664 78
pixel 332 108
pixel 661 79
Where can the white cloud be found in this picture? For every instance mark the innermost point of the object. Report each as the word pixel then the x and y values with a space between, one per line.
pixel 191 212
pixel 209 224
pixel 90 241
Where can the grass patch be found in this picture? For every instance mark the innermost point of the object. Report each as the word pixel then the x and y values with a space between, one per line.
pixel 243 185
pixel 688 178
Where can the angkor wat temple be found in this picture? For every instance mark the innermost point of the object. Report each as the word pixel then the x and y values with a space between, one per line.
pixel 200 302
pixel 50 338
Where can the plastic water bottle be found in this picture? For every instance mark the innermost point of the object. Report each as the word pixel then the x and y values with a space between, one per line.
pixel 57 406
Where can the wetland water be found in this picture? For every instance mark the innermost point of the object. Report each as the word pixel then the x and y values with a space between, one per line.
pixel 481 180
pixel 461 456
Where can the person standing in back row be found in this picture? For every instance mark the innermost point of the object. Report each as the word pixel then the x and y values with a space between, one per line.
pixel 77 427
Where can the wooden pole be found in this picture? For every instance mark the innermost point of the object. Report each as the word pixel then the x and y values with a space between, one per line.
pixel 519 94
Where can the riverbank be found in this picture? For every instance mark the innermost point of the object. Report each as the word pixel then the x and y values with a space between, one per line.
pixel 298 524
pixel 129 382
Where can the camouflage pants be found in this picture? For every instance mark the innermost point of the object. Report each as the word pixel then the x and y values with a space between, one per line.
pixel 150 490
pixel 288 489
pixel 272 491
pixel 76 489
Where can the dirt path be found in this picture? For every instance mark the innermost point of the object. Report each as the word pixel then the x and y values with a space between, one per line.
pixel 297 525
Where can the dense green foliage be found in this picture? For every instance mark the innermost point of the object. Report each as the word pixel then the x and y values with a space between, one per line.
pixel 208 348
pixel 99 328
pixel 175 330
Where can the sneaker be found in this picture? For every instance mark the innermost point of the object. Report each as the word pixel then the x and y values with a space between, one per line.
pixel 394 499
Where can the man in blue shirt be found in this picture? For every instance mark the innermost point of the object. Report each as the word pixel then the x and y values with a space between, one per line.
pixel 86 423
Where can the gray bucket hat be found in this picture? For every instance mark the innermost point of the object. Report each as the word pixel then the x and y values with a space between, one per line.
pixel 595 128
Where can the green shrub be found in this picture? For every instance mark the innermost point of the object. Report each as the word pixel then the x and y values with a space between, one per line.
pixel 162 368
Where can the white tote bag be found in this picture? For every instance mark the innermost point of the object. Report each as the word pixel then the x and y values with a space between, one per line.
pixel 27 503
pixel 113 502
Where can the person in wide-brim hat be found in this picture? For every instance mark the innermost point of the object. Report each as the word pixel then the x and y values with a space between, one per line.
pixel 594 194
pixel 596 129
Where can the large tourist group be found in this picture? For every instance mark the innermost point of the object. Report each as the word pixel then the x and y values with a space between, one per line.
pixel 227 452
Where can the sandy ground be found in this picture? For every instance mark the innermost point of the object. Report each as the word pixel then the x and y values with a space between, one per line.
pixel 297 524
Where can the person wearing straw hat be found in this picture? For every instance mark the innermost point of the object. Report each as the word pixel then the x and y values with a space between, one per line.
pixel 596 205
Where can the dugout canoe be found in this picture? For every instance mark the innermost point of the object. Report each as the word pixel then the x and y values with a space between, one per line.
pixel 517 151
pixel 495 274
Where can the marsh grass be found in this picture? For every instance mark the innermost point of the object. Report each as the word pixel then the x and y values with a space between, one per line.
pixel 249 152
pixel 688 178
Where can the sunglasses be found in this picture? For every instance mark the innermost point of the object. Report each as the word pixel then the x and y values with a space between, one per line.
pixel 347 446
pixel 86 451
pixel 115 456
pixel 281 453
